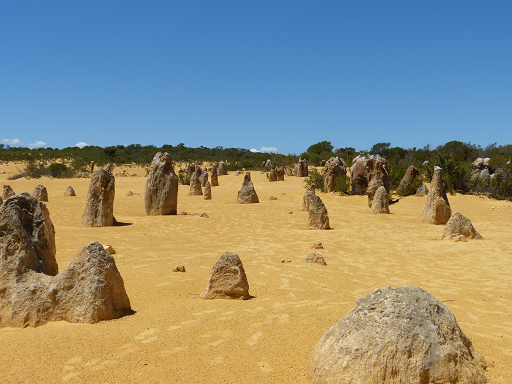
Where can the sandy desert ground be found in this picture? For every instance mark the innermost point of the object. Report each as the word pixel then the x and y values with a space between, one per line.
pixel 174 336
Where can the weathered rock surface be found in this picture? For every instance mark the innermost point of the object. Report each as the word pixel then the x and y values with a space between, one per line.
pixel 334 168
pixel 161 191
pixel 358 175
pixel 40 193
pixel 437 209
pixel 305 199
pixel 223 169
pixel 422 190
pixel 195 186
pixel 377 168
pixel 380 202
pixel 301 169
pixel 189 170
pixel 318 217
pixel 315 258
pixel 203 177
pixel 227 279
pixel 247 194
pixel 318 245
pixel 373 186
pixel 69 191
pixel 7 192
pixel 110 249
pixel 272 175
pixel 214 176
pixel 208 191
pixel 481 163
pixel 402 335
pixel 33 293
pixel 460 225
pixel 99 209
pixel 279 173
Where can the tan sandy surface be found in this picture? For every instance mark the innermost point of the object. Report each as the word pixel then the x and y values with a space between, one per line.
pixel 176 337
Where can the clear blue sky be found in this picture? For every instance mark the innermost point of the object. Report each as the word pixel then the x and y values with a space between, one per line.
pixel 253 74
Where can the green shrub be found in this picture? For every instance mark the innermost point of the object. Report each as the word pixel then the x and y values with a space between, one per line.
pixel 409 188
pixel 343 185
pixel 59 170
pixel 315 178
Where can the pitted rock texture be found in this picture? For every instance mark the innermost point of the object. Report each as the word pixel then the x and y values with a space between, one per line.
pixel 99 209
pixel 33 292
pixel 334 168
pixel 195 186
pixel 247 194
pixel 318 217
pixel 460 225
pixel 227 279
pixel 402 335
pixel 161 191
pixel 380 203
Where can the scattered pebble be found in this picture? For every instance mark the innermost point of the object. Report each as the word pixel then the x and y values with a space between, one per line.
pixel 179 268
pixel 273 198
pixel 110 249
pixel 318 245
pixel 286 261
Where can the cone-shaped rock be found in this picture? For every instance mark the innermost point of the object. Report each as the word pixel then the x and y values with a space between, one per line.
pixel 406 186
pixel 305 199
pixel 40 193
pixel 247 195
pixel 161 191
pixel 402 335
pixel 7 192
pixel 195 186
pixel 227 279
pixel 223 169
pixel 214 176
pixel 89 290
pixel 99 209
pixel 460 225
pixel 208 191
pixel 69 191
pixel 380 202
pixel 437 209
pixel 318 217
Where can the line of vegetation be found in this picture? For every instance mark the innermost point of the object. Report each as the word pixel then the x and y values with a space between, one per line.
pixel 454 157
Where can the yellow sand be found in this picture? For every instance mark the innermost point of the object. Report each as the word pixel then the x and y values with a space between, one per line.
pixel 176 337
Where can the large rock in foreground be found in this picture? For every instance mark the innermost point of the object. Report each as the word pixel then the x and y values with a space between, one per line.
pixel 402 335
pixel 99 209
pixel 247 194
pixel 227 279
pixel 89 290
pixel 161 191
pixel 437 209
pixel 318 217
pixel 460 225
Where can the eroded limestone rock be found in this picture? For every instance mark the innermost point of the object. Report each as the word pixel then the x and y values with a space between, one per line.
pixel 99 209
pixel 40 193
pixel 227 279
pixel 460 225
pixel 318 217
pixel 437 209
pixel 402 335
pixel 33 292
pixel 247 194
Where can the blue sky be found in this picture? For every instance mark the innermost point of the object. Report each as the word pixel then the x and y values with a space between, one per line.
pixel 255 74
